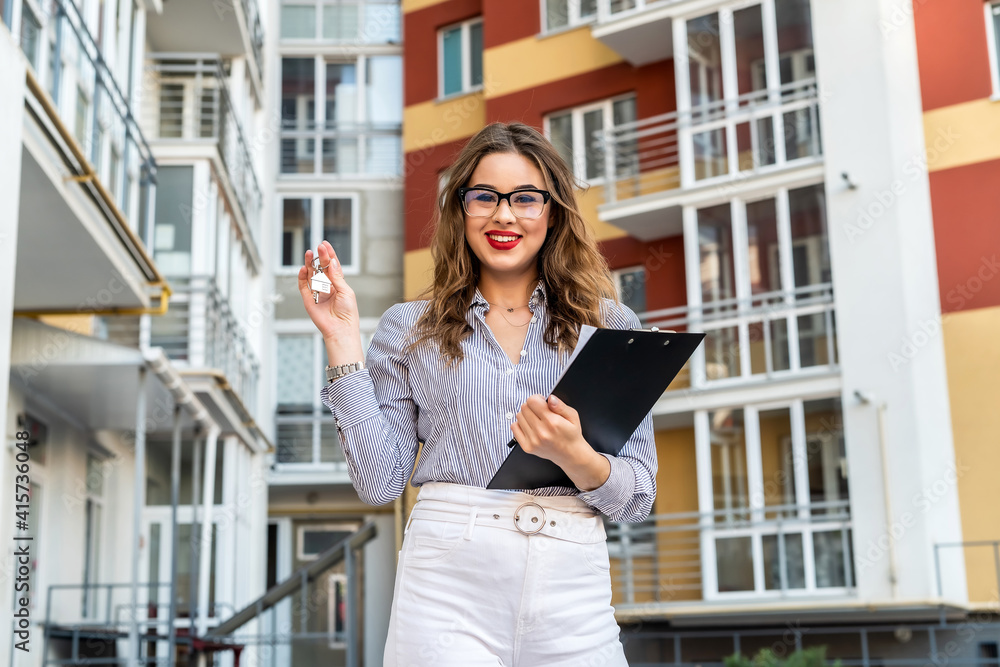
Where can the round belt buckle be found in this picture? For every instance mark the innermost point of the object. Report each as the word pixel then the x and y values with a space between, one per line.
pixel 540 520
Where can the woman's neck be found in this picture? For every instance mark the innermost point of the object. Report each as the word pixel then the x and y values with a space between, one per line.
pixel 512 293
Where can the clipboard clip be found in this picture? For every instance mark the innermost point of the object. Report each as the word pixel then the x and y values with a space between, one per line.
pixel 652 329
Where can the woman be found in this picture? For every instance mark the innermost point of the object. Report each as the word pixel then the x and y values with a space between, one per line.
pixel 489 577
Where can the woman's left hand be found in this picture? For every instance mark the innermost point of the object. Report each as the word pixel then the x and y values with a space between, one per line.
pixel 551 430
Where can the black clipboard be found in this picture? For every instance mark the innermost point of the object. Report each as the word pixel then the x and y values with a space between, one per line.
pixel 613 379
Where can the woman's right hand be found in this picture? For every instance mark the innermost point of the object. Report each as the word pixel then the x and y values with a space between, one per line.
pixel 336 314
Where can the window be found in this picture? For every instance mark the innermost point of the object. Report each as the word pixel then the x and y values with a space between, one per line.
pixel 94 511
pixel 757 260
pixel 172 233
pixel 365 21
pixel 779 496
pixel 355 130
pixel 631 284
pixel 461 58
pixel 314 539
pixel 307 221
pixel 993 43
pixel 771 113
pixel 566 13
pixel 572 133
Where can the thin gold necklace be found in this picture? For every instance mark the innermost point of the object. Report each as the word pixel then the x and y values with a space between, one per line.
pixel 511 310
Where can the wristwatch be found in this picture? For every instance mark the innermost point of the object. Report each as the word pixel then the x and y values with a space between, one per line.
pixel 334 372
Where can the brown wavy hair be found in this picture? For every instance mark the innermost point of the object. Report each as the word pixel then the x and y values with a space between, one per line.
pixel 575 272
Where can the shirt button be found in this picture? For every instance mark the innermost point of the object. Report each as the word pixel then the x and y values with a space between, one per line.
pixel 510 370
pixel 533 318
pixel 524 352
pixel 510 415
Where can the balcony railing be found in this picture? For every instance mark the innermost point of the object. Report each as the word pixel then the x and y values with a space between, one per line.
pixel 345 149
pixel 190 102
pixel 308 440
pixel 199 331
pixel 769 552
pixel 980 560
pixel 608 10
pixel 719 142
pixel 767 335
pixel 69 65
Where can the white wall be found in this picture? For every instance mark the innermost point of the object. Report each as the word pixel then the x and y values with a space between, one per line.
pixel 886 290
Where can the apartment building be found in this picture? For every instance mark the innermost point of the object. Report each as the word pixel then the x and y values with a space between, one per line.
pixel 809 183
pixel 336 174
pixel 135 305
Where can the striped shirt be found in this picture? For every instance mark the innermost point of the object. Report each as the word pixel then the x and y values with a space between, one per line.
pixel 463 414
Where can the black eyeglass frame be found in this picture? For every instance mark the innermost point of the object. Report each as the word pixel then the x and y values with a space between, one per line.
pixel 546 195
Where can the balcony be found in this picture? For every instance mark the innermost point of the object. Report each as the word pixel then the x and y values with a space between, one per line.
pixel 350 150
pixel 640 31
pixel 189 113
pixel 767 337
pixel 88 176
pixel 736 555
pixel 226 27
pixel 205 341
pixel 661 163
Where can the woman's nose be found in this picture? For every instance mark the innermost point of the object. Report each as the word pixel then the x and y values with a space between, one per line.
pixel 504 214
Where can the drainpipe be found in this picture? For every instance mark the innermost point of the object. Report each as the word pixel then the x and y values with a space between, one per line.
pixel 880 408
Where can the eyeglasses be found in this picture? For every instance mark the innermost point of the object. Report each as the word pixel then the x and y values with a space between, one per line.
pixel 484 202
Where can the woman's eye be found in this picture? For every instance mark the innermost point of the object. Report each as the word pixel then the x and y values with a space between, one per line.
pixel 525 199
pixel 485 197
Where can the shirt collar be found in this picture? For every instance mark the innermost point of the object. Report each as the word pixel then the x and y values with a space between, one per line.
pixel 539 295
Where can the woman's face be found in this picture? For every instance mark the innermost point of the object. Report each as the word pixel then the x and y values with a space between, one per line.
pixel 505 172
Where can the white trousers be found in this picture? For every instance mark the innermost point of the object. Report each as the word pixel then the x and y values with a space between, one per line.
pixel 502 579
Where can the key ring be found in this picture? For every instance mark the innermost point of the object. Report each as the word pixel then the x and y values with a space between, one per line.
pixel 319 268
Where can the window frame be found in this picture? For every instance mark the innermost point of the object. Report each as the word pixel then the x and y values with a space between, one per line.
pixel 574 20
pixel 320 416
pixel 617 274
pixel 607 107
pixel 465 61
pixel 319 7
pixel 333 527
pixel 316 226
pixel 319 129
pixel 992 14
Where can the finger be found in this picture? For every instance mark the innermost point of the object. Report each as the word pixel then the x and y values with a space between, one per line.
pixel 529 421
pixel 328 258
pixel 536 404
pixel 522 438
pixel 561 409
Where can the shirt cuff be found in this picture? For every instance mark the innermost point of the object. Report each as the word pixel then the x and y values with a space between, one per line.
pixel 616 492
pixel 351 398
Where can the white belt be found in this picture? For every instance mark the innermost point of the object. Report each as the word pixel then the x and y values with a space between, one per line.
pixel 528 518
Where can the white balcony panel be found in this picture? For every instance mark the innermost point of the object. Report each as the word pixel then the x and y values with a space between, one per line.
pixel 73 257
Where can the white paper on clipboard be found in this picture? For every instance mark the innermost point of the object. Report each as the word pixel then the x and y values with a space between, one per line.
pixel 586 331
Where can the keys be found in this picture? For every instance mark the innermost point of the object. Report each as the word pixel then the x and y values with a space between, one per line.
pixel 319 282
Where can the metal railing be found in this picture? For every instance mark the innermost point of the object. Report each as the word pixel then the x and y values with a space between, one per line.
pixel 976 554
pixel 343 619
pixel 767 329
pixel 308 440
pixel 189 101
pixel 660 560
pixel 720 141
pixel 200 331
pixel 344 149
pixel 88 615
pixel 69 65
